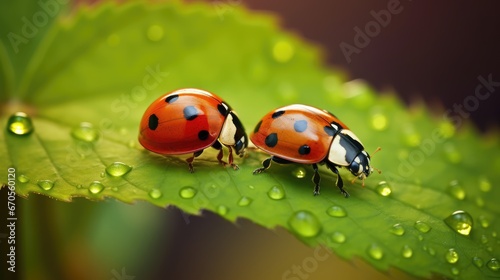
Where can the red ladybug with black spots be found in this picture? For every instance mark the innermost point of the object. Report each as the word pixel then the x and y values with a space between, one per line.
pixel 304 134
pixel 189 121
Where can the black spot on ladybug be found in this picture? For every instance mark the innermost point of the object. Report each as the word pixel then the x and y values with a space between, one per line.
pixel 203 135
pixel 190 113
pixel 153 122
pixel 222 109
pixel 330 130
pixel 300 126
pixel 304 149
pixel 172 98
pixel 277 114
pixel 257 127
pixel 271 140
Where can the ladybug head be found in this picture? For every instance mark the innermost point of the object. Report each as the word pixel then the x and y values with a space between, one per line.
pixel 360 166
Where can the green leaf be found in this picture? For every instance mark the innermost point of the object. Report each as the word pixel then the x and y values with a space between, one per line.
pixel 91 75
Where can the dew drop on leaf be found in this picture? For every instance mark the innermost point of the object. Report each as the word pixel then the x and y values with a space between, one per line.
pixel 422 226
pixel 397 229
pixel 244 201
pixel 299 172
pixel 46 185
pixel 484 239
pixel 455 271
pixel 20 124
pixel 85 132
pixel 117 169
pixel 96 187
pixel 283 51
pixel 155 33
pixel 477 261
pixel 375 252
pixel 493 264
pixel 429 250
pixel 336 211
pixel 406 252
pixel 379 121
pixel 456 190
pixel 451 256
pixel 187 192
pixel 23 178
pixel 222 210
pixel 276 192
pixel 460 221
pixel 304 223
pixel 155 193
pixel 383 188
pixel 338 237
pixel 251 187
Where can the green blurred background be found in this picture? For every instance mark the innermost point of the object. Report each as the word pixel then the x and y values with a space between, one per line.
pixel 433 51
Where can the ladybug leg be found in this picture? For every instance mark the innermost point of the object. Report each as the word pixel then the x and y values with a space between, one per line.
pixel 218 146
pixel 339 183
pixel 316 179
pixel 230 158
pixel 191 159
pixel 265 165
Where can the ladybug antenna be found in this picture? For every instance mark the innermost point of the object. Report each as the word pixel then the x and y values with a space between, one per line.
pixel 376 151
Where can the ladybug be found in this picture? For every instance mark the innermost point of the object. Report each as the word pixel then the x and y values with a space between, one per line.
pixel 304 134
pixel 190 120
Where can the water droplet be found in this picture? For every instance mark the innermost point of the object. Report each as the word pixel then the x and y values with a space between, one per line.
pixel 102 174
pixel 187 192
pixel 484 239
pixel 244 201
pixel 79 186
pixel 422 226
pixel 222 210
pixel 379 121
pixel 283 51
pixel 451 256
pixel 155 193
pixel 411 137
pixel 455 271
pixel 299 172
pixel 118 169
pixel 375 252
pixel 251 187
pixel 477 261
pixel 336 211
pixel 493 264
pixel 452 154
pixel 113 40
pixel 20 124
pixel 304 223
pixel 406 252
pixel 397 229
pixel 383 188
pixel 276 192
pixel 429 250
pixel 46 185
pixel 456 190
pixel 338 237
pixel 484 185
pixel 96 187
pixel 460 221
pixel 155 33
pixel 420 237
pixel 85 132
pixel 23 179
